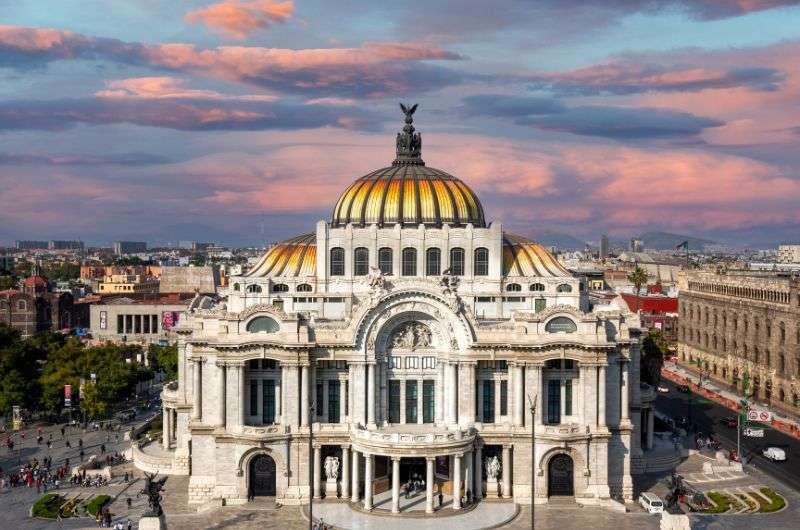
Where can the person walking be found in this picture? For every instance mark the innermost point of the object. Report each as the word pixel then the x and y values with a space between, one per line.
pixel 441 499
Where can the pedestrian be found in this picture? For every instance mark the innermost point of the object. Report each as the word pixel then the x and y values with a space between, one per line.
pixel 441 499
pixel 129 502
pixel 63 431
pixel 129 524
pixel 102 449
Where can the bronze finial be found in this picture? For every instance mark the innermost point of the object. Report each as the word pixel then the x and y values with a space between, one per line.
pixel 409 143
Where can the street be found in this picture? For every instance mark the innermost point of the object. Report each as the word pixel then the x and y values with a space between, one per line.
pixel 706 415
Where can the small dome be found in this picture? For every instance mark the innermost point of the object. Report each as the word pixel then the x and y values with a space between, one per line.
pixel 523 257
pixel 294 257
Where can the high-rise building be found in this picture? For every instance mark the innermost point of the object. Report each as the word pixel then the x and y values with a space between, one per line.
pixel 64 245
pixel 30 245
pixel 603 246
pixel 129 247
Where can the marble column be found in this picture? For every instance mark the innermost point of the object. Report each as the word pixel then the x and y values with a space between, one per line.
pixel 317 470
pixel 197 390
pixel 506 472
pixel 165 417
pixel 453 393
pixel 221 394
pixel 395 484
pixel 342 401
pixel 368 478
pixel 242 380
pixel 624 391
pixel 457 482
pixel 469 481
pixel 478 473
pixel 354 487
pixel 279 401
pixel 304 395
pixel 345 472
pixel 518 396
pixel 650 426
pixel 601 396
pixel 371 394
pixel 420 402
pixel 429 480
pixel 533 376
pixel 439 397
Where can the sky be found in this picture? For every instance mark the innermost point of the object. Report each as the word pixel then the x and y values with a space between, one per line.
pixel 241 121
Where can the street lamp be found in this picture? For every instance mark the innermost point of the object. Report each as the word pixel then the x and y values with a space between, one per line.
pixel 532 405
pixel 311 415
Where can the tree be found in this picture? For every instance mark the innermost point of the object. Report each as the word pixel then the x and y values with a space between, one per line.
pixel 165 358
pixel 7 282
pixel 654 346
pixel 91 402
pixel 637 277
pixel 19 369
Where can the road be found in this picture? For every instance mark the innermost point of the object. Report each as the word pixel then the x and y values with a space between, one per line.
pixel 707 415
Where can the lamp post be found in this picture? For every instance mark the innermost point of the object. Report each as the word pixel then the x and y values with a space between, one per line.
pixel 311 413
pixel 532 404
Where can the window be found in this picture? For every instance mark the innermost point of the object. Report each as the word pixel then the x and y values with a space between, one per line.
pixel 120 324
pixel 503 398
pixel 253 398
pixel 428 400
pixel 433 262
pixel 337 261
pixel 303 288
pixel 394 401
pixel 429 362
pixel 385 259
pixel 280 288
pixel 561 325
pixel 539 304
pixel 457 261
pixel 409 262
pixel 485 299
pixel 412 362
pixel 488 401
pixel 537 287
pixel 253 288
pixel 481 262
pixel 268 403
pixel 262 325
pixel 360 261
pixel 553 401
pixel 411 401
pixel 334 393
pixel 568 397
pixel 320 399
pixel 514 287
pixel 396 362
pixel 564 288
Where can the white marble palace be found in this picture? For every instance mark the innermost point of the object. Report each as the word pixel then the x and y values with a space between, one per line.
pixel 405 337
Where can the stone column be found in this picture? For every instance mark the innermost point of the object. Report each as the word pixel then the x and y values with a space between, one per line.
pixel 221 394
pixel 507 472
pixel 242 378
pixel 429 484
pixel 624 391
pixel 465 385
pixel 469 481
pixel 291 398
pixel 439 396
pixel 317 470
pixel 165 417
pixel 279 401
pixel 371 394
pixel 533 384
pixel 345 483
pixel 457 482
pixel 589 408
pixel 323 408
pixel 420 402
pixel 478 473
pixel 650 426
pixel 368 478
pixel 519 397
pixel 304 394
pixel 453 393
pixel 601 396
pixel 479 391
pixel 197 390
pixel 395 484
pixel 354 488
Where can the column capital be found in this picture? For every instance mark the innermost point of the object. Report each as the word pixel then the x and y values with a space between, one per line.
pixel 220 363
pixel 430 459
pixel 508 447
pixel 534 364
pixel 367 456
pixel 237 364
pixel 395 458
pixel 345 446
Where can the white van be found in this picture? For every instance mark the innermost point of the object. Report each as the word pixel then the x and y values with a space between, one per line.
pixel 651 502
pixel 776 454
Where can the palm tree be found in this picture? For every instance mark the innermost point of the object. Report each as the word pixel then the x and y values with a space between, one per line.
pixel 637 277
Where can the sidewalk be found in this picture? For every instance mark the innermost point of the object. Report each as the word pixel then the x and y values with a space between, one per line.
pixel 724 397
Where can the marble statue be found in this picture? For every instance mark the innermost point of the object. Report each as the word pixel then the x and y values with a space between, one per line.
pixel 332 468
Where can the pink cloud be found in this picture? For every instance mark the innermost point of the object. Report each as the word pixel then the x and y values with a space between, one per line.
pixel 241 18
pixel 167 87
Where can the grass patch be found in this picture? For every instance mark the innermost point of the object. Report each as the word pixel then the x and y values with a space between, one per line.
pixel 776 502
pixel 69 508
pixel 722 501
pixel 94 506
pixel 48 506
pixel 747 501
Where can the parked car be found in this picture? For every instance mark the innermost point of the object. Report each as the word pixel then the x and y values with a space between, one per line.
pixel 729 421
pixel 776 454
pixel 651 502
pixel 683 388
pixel 663 389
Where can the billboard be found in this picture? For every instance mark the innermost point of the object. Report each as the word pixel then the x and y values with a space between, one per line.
pixel 67 395
pixel 169 319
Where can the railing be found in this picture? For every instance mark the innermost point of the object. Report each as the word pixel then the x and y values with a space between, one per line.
pixel 401 438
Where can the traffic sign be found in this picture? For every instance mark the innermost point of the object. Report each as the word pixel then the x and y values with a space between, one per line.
pixel 759 415
pixel 753 433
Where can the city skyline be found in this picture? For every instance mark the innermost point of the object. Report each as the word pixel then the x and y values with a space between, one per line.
pixel 241 121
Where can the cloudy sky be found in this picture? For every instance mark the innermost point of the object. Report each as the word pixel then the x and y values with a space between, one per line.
pixel 241 121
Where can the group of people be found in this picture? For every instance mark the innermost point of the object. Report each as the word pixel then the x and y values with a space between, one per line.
pixel 42 476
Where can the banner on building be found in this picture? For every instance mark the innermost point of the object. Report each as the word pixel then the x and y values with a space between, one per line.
pixel 67 395
pixel 103 319
pixel 169 319
pixel 759 415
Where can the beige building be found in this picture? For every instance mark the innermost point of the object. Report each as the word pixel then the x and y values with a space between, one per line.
pixel 127 284
pixel 737 322
pixel 410 337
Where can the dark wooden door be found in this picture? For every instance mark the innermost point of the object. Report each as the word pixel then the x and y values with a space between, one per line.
pixel 560 479
pixel 262 476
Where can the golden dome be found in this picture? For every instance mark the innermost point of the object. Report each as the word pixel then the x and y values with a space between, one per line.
pixel 407 192
pixel 294 257
pixel 523 257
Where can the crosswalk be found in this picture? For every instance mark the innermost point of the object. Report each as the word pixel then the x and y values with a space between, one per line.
pixel 721 476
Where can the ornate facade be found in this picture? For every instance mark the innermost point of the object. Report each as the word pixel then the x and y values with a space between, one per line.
pixel 734 323
pixel 406 337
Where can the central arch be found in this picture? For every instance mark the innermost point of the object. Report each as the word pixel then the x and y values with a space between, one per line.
pixel 262 476
pixel 561 476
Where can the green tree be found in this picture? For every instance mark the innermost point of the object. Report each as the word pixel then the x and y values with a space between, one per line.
pixel 63 272
pixel 7 282
pixel 19 366
pixel 637 277
pixel 654 346
pixel 165 358
pixel 92 403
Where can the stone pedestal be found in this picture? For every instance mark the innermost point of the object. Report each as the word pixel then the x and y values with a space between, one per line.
pixel 152 523
pixel 331 489
pixel 492 488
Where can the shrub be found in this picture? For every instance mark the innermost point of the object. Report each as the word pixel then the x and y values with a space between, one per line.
pixel 48 506
pixel 776 502
pixel 96 505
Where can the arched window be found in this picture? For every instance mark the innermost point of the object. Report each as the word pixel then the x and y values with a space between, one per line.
pixel 433 262
pixel 360 261
pixel 513 287
pixel 22 305
pixel 337 261
pixel 409 261
pixel 537 287
pixel 385 259
pixel 561 325
pixel 457 261
pixel 304 288
pixel 564 288
pixel 280 288
pixel 236 287
pixel 481 262
pixel 253 288
pixel 262 325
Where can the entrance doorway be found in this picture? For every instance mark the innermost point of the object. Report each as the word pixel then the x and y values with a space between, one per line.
pixel 262 476
pixel 412 469
pixel 560 480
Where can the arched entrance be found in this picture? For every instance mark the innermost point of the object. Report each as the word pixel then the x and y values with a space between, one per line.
pixel 262 476
pixel 560 477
